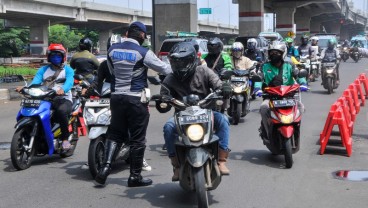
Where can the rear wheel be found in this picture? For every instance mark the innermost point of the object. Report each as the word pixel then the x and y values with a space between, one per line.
pixel 96 152
pixel 21 157
pixel 201 192
pixel 329 85
pixel 288 153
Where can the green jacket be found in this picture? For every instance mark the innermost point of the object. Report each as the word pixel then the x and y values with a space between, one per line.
pixel 224 63
pixel 269 72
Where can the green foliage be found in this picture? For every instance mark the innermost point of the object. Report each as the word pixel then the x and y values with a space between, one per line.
pixel 62 34
pixel 13 41
pixel 7 71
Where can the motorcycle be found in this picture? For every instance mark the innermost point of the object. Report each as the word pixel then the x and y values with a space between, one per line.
pixel 283 133
pixel 329 74
pixel 197 145
pixel 37 132
pixel 354 54
pixel 345 54
pixel 240 98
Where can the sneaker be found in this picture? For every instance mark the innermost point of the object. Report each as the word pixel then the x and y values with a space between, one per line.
pixel 145 166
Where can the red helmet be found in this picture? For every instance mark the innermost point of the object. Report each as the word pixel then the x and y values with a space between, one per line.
pixel 56 48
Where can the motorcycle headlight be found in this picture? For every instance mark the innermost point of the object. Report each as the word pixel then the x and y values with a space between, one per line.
pixel 104 118
pixel 286 119
pixel 89 117
pixel 195 132
pixel 35 92
pixel 237 89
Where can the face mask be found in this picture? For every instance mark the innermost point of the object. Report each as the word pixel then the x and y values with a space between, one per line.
pixel 275 59
pixel 56 60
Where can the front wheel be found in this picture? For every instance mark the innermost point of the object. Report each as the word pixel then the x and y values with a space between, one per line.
pixel 96 152
pixel 236 114
pixel 288 153
pixel 199 180
pixel 21 157
pixel 329 83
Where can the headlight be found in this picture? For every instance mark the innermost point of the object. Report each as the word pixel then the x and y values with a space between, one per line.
pixel 195 132
pixel 286 119
pixel 104 118
pixel 35 92
pixel 237 89
pixel 89 117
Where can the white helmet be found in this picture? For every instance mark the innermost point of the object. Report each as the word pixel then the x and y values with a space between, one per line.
pixel 237 49
pixel 314 38
pixel 252 43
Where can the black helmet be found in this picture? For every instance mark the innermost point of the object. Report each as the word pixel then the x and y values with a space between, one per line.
pixel 194 42
pixel 304 39
pixel 85 44
pixel 215 46
pixel 183 60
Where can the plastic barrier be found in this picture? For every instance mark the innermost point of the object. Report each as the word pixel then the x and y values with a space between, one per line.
pixel 360 91
pixel 348 96
pixel 354 92
pixel 363 79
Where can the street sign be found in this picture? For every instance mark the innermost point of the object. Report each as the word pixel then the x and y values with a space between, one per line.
pixel 205 10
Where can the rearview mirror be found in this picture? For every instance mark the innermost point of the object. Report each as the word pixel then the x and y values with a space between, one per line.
pixel 226 74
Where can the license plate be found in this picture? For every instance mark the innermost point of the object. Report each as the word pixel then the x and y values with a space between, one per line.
pixel 194 119
pixel 30 103
pixel 238 79
pixel 283 103
pixel 104 101
pixel 329 64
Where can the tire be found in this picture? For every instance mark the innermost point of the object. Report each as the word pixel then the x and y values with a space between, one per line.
pixel 237 113
pixel 17 152
pixel 245 105
pixel 288 153
pixel 96 152
pixel 199 182
pixel 329 85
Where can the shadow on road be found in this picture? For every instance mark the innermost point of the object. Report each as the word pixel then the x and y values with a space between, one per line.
pixel 321 92
pixel 36 161
pixel 260 157
pixel 166 195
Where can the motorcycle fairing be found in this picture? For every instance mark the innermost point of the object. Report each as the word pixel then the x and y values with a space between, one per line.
pixel 43 113
pixel 282 90
pixel 197 156
pixel 286 131
pixel 238 97
pixel 96 131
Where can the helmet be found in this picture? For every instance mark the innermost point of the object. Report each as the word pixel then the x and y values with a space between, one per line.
pixel 252 43
pixel 215 46
pixel 183 60
pixel 288 40
pixel 112 40
pixel 85 44
pixel 237 49
pixel 304 39
pixel 278 47
pixel 194 42
pixel 314 38
pixel 331 43
pixel 56 48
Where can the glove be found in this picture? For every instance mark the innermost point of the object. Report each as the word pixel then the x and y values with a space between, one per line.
pixel 304 88
pixel 258 92
pixel 226 90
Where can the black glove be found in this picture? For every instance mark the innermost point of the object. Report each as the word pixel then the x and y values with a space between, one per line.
pixel 226 90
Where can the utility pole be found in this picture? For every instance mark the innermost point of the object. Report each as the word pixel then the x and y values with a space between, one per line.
pixel 153 37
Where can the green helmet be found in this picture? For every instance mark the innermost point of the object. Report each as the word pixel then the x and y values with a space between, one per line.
pixel 288 40
pixel 331 43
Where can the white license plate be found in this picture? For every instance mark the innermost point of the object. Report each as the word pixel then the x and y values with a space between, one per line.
pixel 238 79
pixel 30 103
pixel 283 103
pixel 329 64
pixel 194 119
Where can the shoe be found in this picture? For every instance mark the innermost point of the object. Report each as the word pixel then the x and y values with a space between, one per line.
pixel 223 154
pixel 145 166
pixel 66 145
pixel 164 147
pixel 136 161
pixel 110 147
pixel 175 164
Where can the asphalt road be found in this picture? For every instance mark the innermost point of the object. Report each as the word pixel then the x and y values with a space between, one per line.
pixel 258 179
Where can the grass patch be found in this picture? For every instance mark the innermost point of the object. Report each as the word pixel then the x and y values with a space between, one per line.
pixel 8 71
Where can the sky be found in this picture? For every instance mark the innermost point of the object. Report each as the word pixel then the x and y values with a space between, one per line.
pixel 220 8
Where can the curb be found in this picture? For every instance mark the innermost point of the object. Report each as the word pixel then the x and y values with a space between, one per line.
pixel 9 94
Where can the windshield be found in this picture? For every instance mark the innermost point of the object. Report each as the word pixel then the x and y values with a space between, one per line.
pixel 323 43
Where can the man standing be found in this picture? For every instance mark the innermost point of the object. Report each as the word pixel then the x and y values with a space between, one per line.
pixel 128 62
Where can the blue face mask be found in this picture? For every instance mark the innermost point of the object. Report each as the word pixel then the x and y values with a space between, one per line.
pixel 56 59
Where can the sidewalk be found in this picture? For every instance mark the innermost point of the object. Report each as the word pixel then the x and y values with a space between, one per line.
pixel 7 91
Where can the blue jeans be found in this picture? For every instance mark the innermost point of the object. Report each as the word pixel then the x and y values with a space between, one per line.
pixel 222 130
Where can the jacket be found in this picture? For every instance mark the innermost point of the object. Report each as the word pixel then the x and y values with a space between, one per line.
pixel 84 62
pixel 269 72
pixel 223 62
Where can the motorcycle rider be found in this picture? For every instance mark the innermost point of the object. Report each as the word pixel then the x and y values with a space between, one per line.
pixel 128 62
pixel 216 59
pixel 275 73
pixel 56 56
pixel 84 62
pixel 305 49
pixel 240 61
pixel 331 52
pixel 291 50
pixel 188 78
pixel 252 52
pixel 345 44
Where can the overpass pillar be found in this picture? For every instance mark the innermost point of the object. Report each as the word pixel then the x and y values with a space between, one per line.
pixel 315 26
pixel 174 15
pixel 39 39
pixel 103 37
pixel 285 19
pixel 251 21
pixel 302 21
pixel 333 27
pixel 344 32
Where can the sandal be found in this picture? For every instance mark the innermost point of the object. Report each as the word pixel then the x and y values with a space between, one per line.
pixel 66 145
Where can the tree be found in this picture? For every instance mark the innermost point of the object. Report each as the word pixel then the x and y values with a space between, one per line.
pixel 64 35
pixel 13 41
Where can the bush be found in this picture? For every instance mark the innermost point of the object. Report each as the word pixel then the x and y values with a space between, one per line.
pixel 8 71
